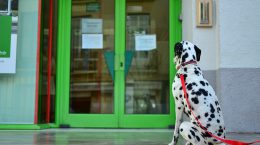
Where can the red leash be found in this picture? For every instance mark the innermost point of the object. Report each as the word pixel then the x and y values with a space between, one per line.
pixel 227 141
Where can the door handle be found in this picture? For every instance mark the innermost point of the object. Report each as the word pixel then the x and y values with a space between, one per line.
pixel 119 62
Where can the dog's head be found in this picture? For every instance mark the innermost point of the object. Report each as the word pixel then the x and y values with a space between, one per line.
pixel 186 51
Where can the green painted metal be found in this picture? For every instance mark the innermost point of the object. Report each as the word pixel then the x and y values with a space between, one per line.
pixel 20 127
pixel 175 36
pixel 119 119
pixel 63 79
pixel 63 59
pixel 110 61
pixel 154 120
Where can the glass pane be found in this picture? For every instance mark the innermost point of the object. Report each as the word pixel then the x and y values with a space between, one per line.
pixel 17 91
pixel 47 84
pixel 92 38
pixel 147 34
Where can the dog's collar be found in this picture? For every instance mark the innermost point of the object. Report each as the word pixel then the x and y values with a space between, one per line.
pixel 186 63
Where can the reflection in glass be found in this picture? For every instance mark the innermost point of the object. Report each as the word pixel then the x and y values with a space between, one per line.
pixel 147 83
pixel 92 37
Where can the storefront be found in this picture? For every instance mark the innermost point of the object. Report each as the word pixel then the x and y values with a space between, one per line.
pixel 99 63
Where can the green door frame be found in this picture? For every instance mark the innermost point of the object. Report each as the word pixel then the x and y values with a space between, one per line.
pixel 119 118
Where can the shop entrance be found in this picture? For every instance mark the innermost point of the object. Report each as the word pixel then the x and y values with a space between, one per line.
pixel 114 63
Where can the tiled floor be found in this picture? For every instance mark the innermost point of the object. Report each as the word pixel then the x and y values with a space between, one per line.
pixel 96 137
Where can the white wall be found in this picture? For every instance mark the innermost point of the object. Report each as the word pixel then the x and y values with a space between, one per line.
pixel 239 29
pixel 230 58
pixel 239 64
pixel 204 38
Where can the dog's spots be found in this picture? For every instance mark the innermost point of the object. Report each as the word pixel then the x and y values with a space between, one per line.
pixel 194 84
pixel 185 76
pixel 204 92
pixel 221 130
pixel 192 133
pixel 184 57
pixel 189 136
pixel 202 83
pixel 204 135
pixel 189 86
pixel 199 91
pixel 195 129
pixel 218 109
pixel 198 139
pixel 193 56
pixel 196 71
pixel 212 109
pixel 195 100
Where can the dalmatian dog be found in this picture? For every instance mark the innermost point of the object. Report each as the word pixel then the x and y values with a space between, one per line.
pixel 203 100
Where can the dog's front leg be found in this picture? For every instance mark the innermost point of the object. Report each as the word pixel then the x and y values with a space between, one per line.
pixel 179 112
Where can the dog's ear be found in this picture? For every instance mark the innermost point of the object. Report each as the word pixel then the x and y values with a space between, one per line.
pixel 178 49
pixel 198 52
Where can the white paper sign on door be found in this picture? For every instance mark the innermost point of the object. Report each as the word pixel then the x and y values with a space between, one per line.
pixel 92 26
pixel 92 41
pixel 145 42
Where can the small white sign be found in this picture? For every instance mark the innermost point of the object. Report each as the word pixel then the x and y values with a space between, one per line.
pixel 145 42
pixel 91 26
pixel 8 65
pixel 92 41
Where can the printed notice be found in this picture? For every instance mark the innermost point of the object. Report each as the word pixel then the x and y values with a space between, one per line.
pixel 92 41
pixel 145 42
pixel 91 26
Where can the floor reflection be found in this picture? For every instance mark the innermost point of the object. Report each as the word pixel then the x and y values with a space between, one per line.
pixel 86 137
pixel 97 137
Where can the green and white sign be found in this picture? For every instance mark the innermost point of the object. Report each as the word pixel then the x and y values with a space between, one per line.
pixel 8 44
pixel 5 36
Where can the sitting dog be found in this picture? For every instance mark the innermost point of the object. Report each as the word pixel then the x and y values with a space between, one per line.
pixel 203 100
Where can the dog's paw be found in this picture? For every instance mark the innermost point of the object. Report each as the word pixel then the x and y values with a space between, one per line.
pixel 171 143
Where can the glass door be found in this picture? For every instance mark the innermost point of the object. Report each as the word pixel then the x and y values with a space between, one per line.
pixel 113 64
pixel 89 100
pixel 147 95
